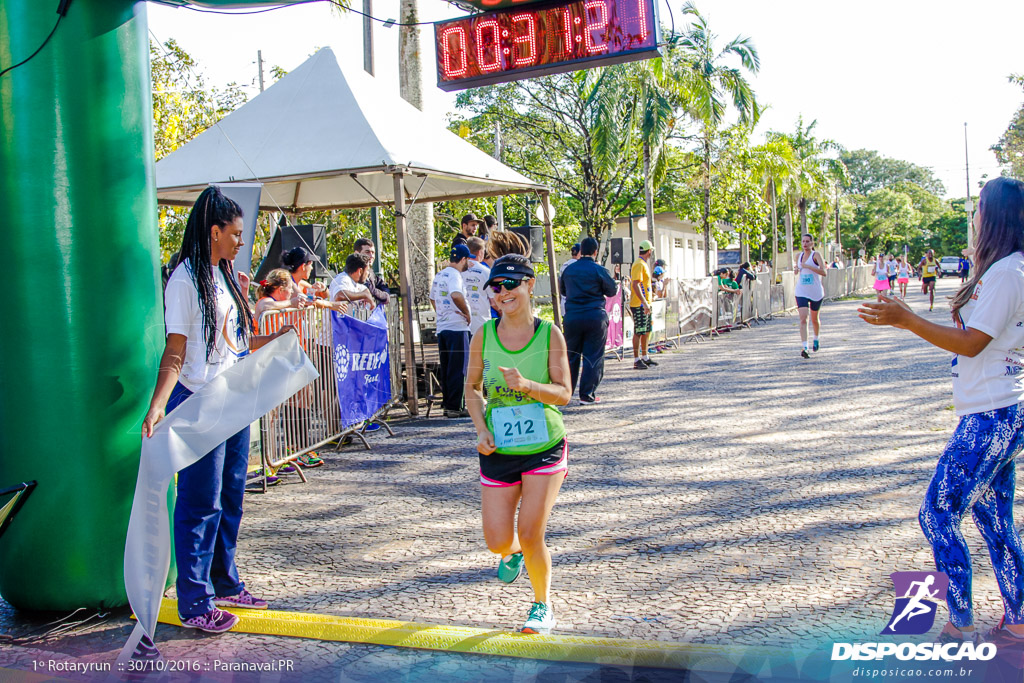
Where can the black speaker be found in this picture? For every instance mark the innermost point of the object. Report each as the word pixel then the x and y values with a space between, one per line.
pixel 622 250
pixel 534 235
pixel 311 237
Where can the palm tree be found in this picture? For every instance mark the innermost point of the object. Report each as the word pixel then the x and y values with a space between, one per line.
pixel 775 168
pixel 711 86
pixel 816 171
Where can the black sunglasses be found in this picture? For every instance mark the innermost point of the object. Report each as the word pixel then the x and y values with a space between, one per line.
pixel 509 285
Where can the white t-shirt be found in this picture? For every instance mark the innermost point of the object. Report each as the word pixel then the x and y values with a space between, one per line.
pixel 473 281
pixel 995 377
pixel 890 268
pixel 344 283
pixel 446 283
pixel 183 316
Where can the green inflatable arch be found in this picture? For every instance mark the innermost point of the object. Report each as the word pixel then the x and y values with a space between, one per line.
pixel 79 345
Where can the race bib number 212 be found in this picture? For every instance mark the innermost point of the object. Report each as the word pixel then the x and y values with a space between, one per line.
pixel 516 426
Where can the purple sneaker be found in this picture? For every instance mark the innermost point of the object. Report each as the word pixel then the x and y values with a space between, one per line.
pixel 214 621
pixel 244 599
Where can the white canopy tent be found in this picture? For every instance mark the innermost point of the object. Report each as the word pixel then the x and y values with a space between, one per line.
pixel 326 138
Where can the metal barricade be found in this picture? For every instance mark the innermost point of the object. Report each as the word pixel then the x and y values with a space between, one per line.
pixel 788 291
pixel 697 307
pixel 729 308
pixel 312 418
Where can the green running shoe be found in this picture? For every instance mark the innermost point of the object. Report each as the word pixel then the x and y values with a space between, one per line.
pixel 510 571
pixel 541 619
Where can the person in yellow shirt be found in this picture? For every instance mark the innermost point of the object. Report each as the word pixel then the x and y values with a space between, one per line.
pixel 640 306
pixel 929 267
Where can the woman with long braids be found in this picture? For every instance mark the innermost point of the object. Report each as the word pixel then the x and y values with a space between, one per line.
pixel 209 328
pixel 975 472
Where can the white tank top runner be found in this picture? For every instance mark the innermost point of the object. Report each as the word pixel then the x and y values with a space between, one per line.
pixel 880 273
pixel 904 270
pixel 808 283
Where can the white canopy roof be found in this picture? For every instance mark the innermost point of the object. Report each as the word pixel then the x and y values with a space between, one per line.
pixel 309 132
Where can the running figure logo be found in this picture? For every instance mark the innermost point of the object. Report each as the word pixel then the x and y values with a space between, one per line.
pixel 341 362
pixel 916 596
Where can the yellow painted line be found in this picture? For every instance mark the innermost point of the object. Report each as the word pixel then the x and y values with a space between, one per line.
pixel 465 639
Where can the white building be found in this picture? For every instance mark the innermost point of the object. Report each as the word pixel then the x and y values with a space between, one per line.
pixel 680 243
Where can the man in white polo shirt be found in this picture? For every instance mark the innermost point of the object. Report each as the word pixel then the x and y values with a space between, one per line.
pixel 448 297
pixel 473 281
pixel 348 285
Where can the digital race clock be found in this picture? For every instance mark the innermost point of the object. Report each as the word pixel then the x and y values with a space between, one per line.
pixel 538 39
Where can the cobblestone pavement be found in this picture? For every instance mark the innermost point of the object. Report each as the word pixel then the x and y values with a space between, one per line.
pixel 735 494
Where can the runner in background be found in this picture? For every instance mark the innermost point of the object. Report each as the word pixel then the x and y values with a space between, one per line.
pixel 976 471
pixel 881 274
pixel 640 306
pixel 891 269
pixel 474 282
pixel 929 268
pixel 903 276
pixel 810 268
pixel 518 373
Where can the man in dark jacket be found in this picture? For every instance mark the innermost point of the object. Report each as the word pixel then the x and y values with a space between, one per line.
pixel 374 282
pixel 586 284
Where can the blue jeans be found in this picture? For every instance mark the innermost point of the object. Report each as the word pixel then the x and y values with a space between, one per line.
pixel 976 474
pixel 206 518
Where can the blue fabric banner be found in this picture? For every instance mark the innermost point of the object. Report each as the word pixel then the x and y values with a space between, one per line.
pixel 361 366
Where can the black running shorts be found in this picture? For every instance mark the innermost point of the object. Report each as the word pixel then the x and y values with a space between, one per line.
pixel 804 302
pixel 641 320
pixel 498 470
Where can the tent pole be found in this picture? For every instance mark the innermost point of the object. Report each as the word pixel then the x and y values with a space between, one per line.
pixel 405 282
pixel 549 237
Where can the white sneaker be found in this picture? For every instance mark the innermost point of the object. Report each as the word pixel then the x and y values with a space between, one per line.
pixel 541 619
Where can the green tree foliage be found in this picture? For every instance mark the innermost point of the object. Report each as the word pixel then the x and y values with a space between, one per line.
pixel 1010 148
pixel 576 133
pixel 870 171
pixel 815 173
pixel 711 84
pixel 896 205
pixel 183 107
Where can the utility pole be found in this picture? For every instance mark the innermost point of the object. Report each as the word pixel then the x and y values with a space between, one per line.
pixel 968 204
pixel 368 67
pixel 839 240
pixel 259 61
pixel 499 204
pixel 368 36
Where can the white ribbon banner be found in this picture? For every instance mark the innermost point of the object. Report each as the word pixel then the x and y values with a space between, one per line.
pixel 238 396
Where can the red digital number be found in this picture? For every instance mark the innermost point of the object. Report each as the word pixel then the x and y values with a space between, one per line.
pixel 460 50
pixel 488 25
pixel 597 10
pixel 514 42
pixel 526 39
pixel 640 16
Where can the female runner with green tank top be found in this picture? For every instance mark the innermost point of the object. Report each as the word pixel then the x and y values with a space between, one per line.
pixel 518 373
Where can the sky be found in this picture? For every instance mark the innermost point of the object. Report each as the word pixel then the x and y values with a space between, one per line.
pixel 898 76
